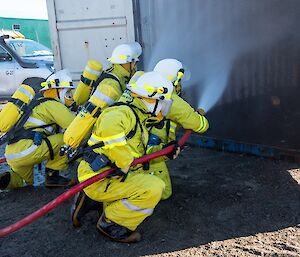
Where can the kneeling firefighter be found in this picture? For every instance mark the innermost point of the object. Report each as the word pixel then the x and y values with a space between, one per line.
pixel 38 138
pixel 105 91
pixel 181 114
pixel 120 135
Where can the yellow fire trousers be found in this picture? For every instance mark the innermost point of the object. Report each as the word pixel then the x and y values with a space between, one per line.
pixel 23 155
pixel 127 203
pixel 159 169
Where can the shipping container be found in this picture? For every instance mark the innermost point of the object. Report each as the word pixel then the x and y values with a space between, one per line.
pixel 244 57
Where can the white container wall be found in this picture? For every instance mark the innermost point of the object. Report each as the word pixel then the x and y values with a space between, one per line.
pixel 83 30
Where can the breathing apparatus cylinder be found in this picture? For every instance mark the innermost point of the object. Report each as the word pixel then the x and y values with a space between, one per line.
pixel 16 106
pixel 85 120
pixel 90 74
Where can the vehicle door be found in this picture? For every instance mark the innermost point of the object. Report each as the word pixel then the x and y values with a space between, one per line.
pixel 7 74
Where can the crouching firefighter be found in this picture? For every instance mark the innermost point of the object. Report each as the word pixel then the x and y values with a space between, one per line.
pixel 37 138
pixel 181 114
pixel 120 135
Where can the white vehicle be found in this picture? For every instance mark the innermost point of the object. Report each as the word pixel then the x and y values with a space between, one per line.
pixel 22 59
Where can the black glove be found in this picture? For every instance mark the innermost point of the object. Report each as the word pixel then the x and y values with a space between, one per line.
pixel 177 149
pixel 74 107
pixel 201 111
pixel 117 174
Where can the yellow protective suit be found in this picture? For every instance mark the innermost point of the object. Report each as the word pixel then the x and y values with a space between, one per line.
pixel 129 202
pixel 183 114
pixel 24 154
pixel 107 92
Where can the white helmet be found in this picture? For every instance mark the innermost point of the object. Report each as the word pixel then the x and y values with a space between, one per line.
pixel 153 85
pixel 170 68
pixel 126 53
pixel 60 79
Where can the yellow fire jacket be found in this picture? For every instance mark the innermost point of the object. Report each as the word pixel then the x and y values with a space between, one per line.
pixel 48 112
pixel 113 127
pixel 181 114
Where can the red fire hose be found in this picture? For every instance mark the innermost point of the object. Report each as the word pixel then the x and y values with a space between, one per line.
pixel 65 196
pixel 2 160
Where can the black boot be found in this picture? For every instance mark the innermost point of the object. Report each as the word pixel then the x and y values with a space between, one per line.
pixel 4 180
pixel 116 232
pixel 81 206
pixel 53 179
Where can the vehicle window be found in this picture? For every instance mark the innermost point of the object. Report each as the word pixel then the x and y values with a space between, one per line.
pixel 3 55
pixel 28 48
pixel 2 51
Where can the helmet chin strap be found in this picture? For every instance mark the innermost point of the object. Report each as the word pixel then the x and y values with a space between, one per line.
pixel 176 83
pixel 131 70
pixel 153 108
pixel 58 93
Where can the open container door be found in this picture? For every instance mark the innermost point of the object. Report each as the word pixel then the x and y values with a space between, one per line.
pixel 83 30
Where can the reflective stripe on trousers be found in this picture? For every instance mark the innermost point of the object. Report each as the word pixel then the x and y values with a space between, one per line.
pixel 132 207
pixel 21 154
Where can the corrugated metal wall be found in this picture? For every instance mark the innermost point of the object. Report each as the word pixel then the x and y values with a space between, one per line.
pixel 244 56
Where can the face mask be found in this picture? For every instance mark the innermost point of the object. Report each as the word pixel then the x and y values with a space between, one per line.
pixel 66 96
pixel 166 107
pixel 153 106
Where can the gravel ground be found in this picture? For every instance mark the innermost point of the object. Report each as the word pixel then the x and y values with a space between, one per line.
pixel 223 205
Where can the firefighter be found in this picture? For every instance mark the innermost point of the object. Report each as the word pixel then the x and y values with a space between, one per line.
pixel 108 89
pixel 120 135
pixel 38 139
pixel 181 113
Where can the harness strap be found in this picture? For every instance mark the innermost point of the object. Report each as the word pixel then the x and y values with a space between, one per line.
pixel 138 122
pixel 106 75
pixel 168 126
pixel 86 80
pixel 51 152
pixel 132 133
pixel 26 133
pixel 18 127
pixel 19 103
pixel 29 134
pixel 86 149
pixel 90 107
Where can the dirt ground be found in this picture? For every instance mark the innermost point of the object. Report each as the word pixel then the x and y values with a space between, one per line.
pixel 223 205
